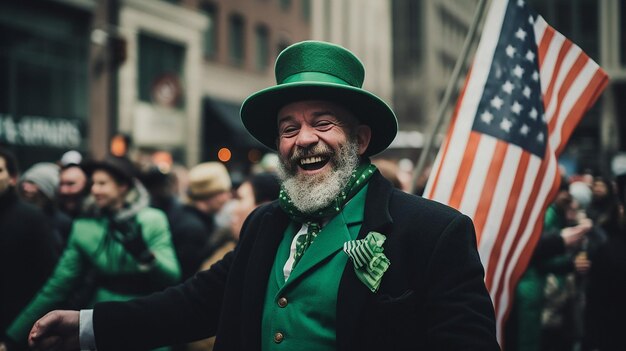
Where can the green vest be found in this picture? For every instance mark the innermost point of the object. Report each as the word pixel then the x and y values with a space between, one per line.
pixel 300 313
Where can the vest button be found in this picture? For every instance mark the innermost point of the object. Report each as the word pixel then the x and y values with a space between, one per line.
pixel 282 302
pixel 278 337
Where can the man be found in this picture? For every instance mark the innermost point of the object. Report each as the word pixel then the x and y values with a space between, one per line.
pixel 73 189
pixel 28 247
pixel 38 185
pixel 342 261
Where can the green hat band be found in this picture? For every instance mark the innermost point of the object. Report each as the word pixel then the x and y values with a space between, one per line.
pixel 314 77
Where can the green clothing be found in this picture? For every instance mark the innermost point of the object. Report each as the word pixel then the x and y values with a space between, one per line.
pixel 90 247
pixel 529 293
pixel 303 308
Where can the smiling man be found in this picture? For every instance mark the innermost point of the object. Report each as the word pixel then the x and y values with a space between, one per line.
pixel 342 261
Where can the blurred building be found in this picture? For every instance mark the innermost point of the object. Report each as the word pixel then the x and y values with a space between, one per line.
pixel 169 75
pixel 599 28
pixel 43 78
pixel 428 37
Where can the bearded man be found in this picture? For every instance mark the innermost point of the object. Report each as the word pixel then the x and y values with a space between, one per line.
pixel 342 261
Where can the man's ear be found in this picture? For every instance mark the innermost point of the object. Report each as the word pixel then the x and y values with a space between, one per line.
pixel 13 181
pixel 363 137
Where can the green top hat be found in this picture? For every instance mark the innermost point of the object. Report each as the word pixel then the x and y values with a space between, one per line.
pixel 312 70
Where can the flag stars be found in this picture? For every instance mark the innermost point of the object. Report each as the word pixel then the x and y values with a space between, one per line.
pixel 520 3
pixel 540 137
pixel 508 87
pixel 497 102
pixel 506 125
pixel 530 56
pixel 531 20
pixel 510 51
pixel 526 91
pixel 535 76
pixel 533 114
pixel 524 130
pixel 518 71
pixel 516 108
pixel 486 117
pixel 520 34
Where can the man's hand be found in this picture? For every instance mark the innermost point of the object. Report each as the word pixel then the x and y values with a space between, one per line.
pixel 582 263
pixel 574 235
pixel 57 330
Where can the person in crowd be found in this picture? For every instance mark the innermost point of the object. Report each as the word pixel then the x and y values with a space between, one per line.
pixel 525 326
pixel 73 189
pixel 606 288
pixel 193 224
pixel 38 185
pixel 604 206
pixel 341 261
pixel 28 246
pixel 127 243
pixel 257 190
pixel 389 170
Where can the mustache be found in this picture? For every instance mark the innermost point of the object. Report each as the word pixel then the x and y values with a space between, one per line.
pixel 320 149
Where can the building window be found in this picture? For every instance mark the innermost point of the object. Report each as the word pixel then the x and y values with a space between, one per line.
pixel 159 61
pixel 262 47
pixel 285 4
pixel 210 35
pixel 237 40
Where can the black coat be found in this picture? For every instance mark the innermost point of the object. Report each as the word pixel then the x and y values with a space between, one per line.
pixel 29 251
pixel 191 233
pixel 433 296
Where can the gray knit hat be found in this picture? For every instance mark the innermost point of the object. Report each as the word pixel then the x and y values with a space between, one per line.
pixel 45 175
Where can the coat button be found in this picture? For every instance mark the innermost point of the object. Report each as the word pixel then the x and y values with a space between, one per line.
pixel 282 302
pixel 278 337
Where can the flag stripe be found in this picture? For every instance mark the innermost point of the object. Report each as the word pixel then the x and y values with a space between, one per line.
pixel 487 191
pixel 506 196
pixel 465 168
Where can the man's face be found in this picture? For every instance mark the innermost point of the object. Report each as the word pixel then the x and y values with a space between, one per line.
pixel 310 133
pixel 319 145
pixel 72 181
pixel 107 193
pixel 5 178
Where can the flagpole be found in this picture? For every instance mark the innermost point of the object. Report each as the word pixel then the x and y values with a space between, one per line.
pixel 471 34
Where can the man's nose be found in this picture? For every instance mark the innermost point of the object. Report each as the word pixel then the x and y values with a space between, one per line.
pixel 307 136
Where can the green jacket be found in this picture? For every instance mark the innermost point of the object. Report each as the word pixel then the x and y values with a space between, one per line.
pixel 92 249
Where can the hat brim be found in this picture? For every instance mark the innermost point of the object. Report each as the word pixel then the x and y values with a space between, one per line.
pixel 91 166
pixel 259 111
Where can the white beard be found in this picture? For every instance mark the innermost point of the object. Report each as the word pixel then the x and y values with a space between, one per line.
pixel 312 193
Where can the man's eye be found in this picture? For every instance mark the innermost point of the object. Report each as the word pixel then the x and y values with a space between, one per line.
pixel 288 131
pixel 323 125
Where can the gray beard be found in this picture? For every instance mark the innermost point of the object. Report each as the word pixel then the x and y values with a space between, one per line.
pixel 313 193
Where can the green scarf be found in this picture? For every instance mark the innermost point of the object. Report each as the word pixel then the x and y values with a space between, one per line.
pixel 360 176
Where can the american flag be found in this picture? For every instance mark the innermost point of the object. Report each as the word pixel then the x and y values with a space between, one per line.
pixel 527 90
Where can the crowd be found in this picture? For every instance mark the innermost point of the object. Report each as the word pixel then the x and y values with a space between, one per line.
pixel 76 232
pixel 571 296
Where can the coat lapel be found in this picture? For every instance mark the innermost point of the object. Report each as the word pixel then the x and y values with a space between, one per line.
pixel 259 268
pixel 353 293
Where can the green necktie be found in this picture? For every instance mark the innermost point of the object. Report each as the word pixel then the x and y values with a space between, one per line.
pixel 304 241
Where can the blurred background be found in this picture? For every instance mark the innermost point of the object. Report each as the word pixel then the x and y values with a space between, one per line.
pixel 165 80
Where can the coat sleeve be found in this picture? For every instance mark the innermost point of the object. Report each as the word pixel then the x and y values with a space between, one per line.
pixel 156 232
pixel 459 310
pixel 178 314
